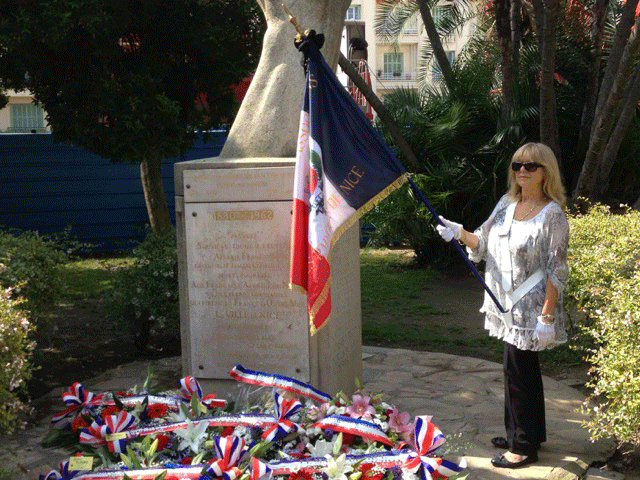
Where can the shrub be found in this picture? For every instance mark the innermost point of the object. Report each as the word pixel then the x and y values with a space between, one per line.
pixel 32 261
pixel 146 293
pixel 15 353
pixel 604 284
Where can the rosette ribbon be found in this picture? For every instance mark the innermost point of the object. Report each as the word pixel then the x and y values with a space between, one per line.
pixel 75 398
pixel 354 426
pixel 112 432
pixel 229 450
pixel 429 438
pixel 189 386
pixel 285 409
pixel 288 384
pixel 259 470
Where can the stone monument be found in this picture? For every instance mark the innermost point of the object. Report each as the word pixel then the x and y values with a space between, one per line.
pixel 233 216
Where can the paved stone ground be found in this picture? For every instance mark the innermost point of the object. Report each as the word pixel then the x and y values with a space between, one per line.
pixel 464 395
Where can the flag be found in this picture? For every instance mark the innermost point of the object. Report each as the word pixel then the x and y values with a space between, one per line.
pixel 343 168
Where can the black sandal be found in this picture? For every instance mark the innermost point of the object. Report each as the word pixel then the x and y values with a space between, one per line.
pixel 500 442
pixel 502 462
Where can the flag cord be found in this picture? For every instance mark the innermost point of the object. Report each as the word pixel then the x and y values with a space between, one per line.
pixel 473 268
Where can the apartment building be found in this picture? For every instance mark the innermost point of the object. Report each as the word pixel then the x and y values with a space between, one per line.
pixel 391 66
pixel 21 115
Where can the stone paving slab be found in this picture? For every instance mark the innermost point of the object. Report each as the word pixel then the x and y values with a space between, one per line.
pixel 464 395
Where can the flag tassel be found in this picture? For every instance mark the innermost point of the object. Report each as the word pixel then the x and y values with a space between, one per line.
pixel 473 268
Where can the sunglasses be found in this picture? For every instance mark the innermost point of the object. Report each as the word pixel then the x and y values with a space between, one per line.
pixel 528 166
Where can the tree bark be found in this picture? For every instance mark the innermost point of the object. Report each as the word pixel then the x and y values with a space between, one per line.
pixel 623 30
pixel 503 29
pixel 154 197
pixel 436 44
pixel 516 34
pixel 548 119
pixel 605 119
pixel 591 92
pixel 380 109
pixel 613 145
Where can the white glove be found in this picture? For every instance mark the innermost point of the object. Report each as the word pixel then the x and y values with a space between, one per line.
pixel 545 334
pixel 450 230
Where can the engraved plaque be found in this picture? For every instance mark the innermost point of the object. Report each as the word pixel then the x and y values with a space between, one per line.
pixel 240 305
pixel 243 185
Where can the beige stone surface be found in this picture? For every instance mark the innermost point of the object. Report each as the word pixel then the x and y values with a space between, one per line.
pixel 234 224
pixel 267 123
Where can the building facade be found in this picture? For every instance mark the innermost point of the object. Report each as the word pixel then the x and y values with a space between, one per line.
pixel 389 65
pixel 21 115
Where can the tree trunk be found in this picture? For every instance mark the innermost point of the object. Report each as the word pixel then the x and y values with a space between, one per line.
pixel 605 119
pixel 613 146
pixel 623 30
pixel 436 44
pixel 548 119
pixel 154 198
pixel 503 29
pixel 591 92
pixel 516 34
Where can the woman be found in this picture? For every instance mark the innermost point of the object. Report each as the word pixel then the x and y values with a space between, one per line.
pixel 524 243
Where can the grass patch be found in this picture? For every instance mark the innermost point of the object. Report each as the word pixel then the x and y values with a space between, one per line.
pixel 90 277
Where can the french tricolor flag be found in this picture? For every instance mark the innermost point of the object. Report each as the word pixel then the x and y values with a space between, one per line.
pixel 343 168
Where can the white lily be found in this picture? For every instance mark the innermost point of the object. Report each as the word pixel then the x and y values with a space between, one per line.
pixel 192 436
pixel 336 468
pixel 322 448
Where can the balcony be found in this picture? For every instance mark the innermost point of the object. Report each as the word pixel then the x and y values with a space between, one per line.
pixel 397 76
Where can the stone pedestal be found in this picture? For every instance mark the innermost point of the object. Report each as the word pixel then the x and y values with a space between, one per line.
pixel 233 221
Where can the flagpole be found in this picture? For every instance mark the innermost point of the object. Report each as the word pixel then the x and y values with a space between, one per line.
pixel 473 268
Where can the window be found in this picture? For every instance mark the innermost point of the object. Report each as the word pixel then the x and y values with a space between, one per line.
pixel 26 117
pixel 354 12
pixel 393 65
pixel 436 73
pixel 411 27
pixel 439 14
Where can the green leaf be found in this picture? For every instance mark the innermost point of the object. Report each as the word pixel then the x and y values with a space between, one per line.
pixel 126 460
pixel 147 383
pixel 197 459
pixel 338 445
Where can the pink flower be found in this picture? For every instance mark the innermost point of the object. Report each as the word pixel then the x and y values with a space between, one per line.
pixel 401 423
pixel 318 413
pixel 361 407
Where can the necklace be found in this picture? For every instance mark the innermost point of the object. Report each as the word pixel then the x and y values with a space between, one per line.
pixel 522 217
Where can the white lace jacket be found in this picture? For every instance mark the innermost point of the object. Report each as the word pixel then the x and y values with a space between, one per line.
pixel 538 243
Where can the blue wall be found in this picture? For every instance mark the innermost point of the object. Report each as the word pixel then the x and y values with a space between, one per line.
pixel 47 186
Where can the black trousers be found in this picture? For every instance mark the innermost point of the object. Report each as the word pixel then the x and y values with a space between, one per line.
pixel 523 400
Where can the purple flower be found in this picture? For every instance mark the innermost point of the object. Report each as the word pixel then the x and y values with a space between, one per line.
pixel 361 408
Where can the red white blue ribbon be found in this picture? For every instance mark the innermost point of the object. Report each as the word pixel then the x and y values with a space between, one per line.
pixel 259 420
pixel 354 426
pixel 229 450
pixel 76 398
pixel 190 386
pixel 285 408
pixel 259 470
pixel 427 439
pixel 186 472
pixel 253 377
pixel 112 432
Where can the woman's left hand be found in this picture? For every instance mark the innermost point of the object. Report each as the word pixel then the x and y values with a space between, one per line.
pixel 545 334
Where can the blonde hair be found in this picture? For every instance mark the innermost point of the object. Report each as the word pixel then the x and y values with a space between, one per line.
pixel 551 183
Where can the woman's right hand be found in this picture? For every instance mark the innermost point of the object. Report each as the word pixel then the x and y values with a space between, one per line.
pixel 449 230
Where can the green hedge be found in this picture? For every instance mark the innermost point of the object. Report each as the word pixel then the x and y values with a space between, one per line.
pixel 30 264
pixel 15 353
pixel 145 294
pixel 604 285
